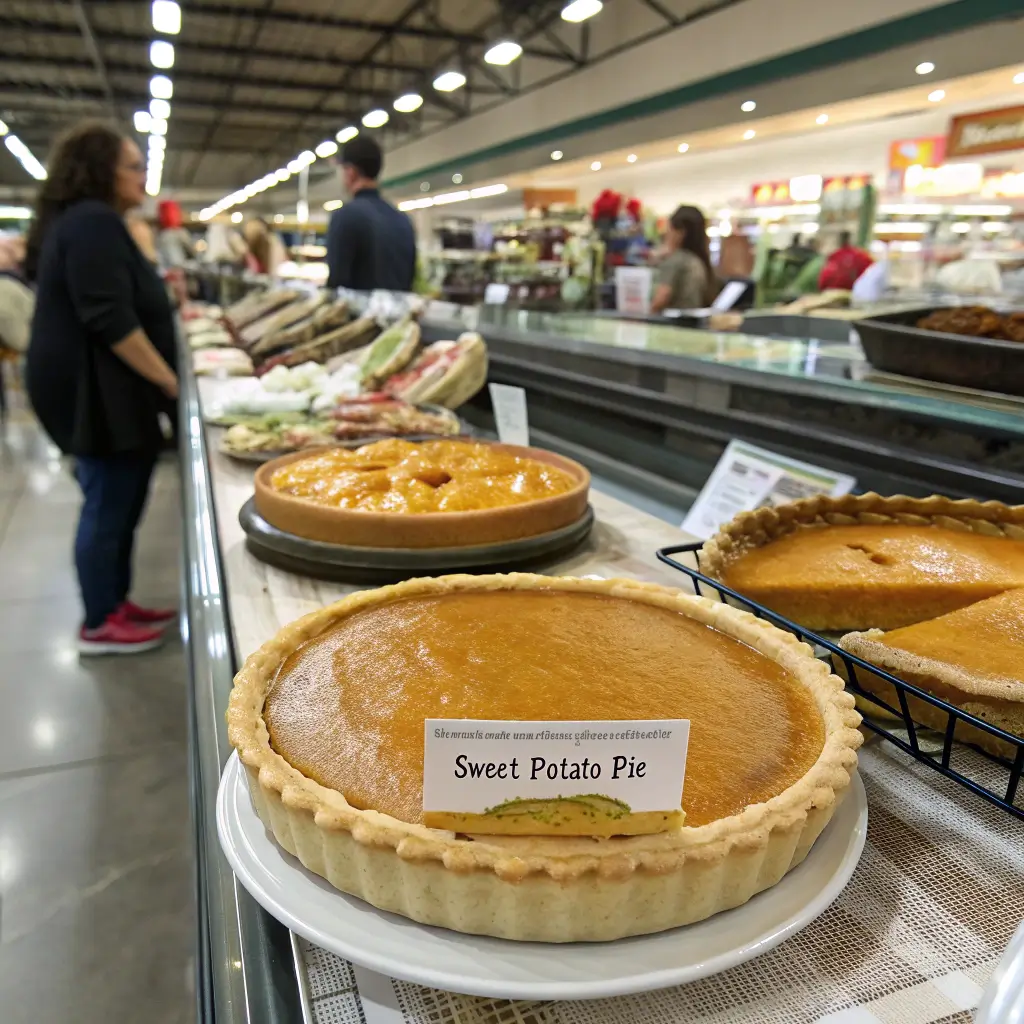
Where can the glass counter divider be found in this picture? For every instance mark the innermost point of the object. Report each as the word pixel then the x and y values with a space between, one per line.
pixel 245 967
pixel 849 667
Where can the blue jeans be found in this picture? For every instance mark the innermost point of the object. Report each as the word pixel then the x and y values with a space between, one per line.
pixel 115 489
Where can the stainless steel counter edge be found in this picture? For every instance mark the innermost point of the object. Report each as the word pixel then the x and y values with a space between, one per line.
pixel 245 971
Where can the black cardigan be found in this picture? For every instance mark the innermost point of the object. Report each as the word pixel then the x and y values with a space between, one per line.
pixel 93 289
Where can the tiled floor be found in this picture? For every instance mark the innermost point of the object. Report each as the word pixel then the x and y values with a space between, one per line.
pixel 96 919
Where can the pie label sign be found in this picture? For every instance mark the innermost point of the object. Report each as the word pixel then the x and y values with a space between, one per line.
pixel 554 778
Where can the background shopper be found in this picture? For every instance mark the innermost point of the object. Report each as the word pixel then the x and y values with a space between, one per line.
pixel 100 362
pixel 16 303
pixel 370 244
pixel 684 278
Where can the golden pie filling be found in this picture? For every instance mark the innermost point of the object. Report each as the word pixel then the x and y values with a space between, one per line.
pixel 839 577
pixel 433 476
pixel 346 709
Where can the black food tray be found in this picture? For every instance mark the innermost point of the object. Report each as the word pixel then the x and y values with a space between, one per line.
pixel 341 563
pixel 893 343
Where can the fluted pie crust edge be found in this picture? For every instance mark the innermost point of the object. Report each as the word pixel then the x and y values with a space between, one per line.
pixel 750 530
pixel 551 889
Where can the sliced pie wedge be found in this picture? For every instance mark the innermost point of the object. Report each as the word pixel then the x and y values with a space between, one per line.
pixel 972 658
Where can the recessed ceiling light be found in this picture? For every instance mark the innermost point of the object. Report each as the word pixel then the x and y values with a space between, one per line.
pixel 749 134
pixel 747 106
pixel 333 204
pixel 282 174
pixel 424 186
pixel 347 133
pixel 327 148
pixel 408 102
pixel 142 120
pixel 278 218
pixel 375 118
pixel 1018 79
pixel 456 178
pixel 822 119
pixel 158 125
pixel 159 108
pixel 166 17
pixel 161 87
pixel 631 159
pixel 157 142
pixel 596 165
pixel 937 96
pixel 503 53
pixel 236 217
pixel 449 81
pixel 580 10
pixel 306 158
pixel 161 53
pixel 682 147
pixel 556 154
pixel 926 67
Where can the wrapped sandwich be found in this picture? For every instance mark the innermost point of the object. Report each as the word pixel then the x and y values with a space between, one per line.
pixel 390 353
pixel 447 373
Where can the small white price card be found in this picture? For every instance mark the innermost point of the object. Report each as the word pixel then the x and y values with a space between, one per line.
pixel 509 404
pixel 496 294
pixel 554 778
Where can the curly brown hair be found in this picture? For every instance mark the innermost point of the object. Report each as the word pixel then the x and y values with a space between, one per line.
pixel 82 165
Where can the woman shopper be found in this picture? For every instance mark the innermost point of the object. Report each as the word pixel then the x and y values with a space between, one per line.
pixel 100 363
pixel 684 278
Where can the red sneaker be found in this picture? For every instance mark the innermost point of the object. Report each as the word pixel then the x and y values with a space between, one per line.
pixel 118 636
pixel 146 616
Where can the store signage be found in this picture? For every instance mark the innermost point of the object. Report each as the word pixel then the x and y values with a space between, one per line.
pixel 991 131
pixel 510 419
pixel 630 771
pixel 925 152
pixel 747 477
pixel 947 180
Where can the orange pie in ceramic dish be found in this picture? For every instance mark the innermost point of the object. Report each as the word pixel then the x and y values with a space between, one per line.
pixel 973 657
pixel 867 561
pixel 431 494
pixel 328 716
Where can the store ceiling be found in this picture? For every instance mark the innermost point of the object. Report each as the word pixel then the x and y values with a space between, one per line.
pixel 256 81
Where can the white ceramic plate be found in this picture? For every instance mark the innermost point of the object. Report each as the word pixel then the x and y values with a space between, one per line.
pixel 478 965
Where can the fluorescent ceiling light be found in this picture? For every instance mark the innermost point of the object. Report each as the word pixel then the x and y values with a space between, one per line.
pixel 327 148
pixel 487 190
pixel 294 166
pixel 995 225
pixel 416 204
pixel 905 228
pixel 347 133
pixel 15 213
pixel 983 211
pixel 333 204
pixel 596 165
pixel 236 217
pixel 749 134
pixel 683 147
pixel 375 118
pixel 747 106
pixel 166 17
pixel 631 159
pixel 158 125
pixel 161 87
pixel 1018 79
pixel 580 10
pixel 914 209
pixel 282 174
pixel 503 53
pixel 449 81
pixel 306 158
pixel 25 157
pixel 961 227
pixel 161 53
pixel 407 103
pixel 157 142
pixel 937 96
pixel 159 108
pixel 3 128
pixel 556 154
pixel 822 119
pixel 451 197
pixel 926 67
pixel 142 119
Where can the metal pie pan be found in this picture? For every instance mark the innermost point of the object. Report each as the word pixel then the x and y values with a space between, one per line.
pixel 347 564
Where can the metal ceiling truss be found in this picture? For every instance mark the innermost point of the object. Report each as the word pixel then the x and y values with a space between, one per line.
pixel 404 54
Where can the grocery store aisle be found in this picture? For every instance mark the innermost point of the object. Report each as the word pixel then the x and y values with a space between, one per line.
pixel 95 876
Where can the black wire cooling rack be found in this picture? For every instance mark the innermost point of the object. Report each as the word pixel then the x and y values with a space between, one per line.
pixel 995 778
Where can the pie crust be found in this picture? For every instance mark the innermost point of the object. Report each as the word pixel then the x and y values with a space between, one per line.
pixel 550 889
pixel 750 530
pixel 422 530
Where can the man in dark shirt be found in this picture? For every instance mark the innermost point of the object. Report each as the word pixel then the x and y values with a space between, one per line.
pixel 370 244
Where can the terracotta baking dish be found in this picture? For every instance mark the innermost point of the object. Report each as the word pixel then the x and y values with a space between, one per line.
pixel 422 530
